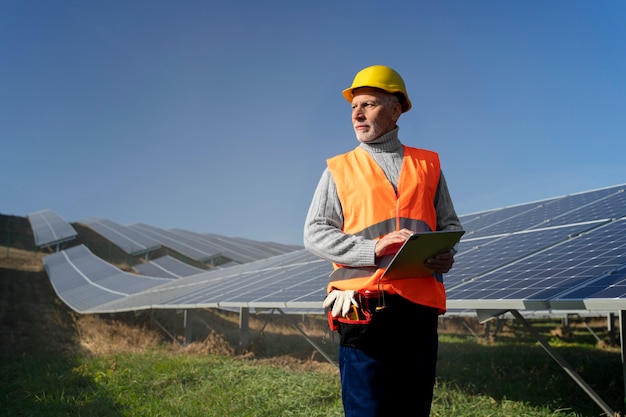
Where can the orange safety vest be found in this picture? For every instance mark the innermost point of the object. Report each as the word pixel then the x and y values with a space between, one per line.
pixel 372 209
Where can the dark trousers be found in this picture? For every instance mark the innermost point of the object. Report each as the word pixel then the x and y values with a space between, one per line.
pixel 388 366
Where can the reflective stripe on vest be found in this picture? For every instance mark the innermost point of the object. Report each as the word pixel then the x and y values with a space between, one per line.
pixel 372 209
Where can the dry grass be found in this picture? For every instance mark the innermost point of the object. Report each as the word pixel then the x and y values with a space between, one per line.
pixel 21 259
pixel 216 333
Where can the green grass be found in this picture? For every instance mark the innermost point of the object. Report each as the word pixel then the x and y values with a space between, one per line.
pixel 155 384
pixel 518 378
pixel 474 380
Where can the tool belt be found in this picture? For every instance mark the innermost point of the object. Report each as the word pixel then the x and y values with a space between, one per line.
pixel 370 302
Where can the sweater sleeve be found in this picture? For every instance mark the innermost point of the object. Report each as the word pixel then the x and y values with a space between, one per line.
pixel 323 233
pixel 447 218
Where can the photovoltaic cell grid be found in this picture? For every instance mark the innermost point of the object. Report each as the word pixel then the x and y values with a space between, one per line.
pixel 50 229
pixel 533 282
pixel 480 256
pixel 592 206
pixel 569 243
pixel 607 292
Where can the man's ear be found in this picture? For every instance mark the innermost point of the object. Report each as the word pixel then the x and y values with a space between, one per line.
pixel 396 111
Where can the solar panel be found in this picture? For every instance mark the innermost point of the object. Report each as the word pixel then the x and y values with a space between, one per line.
pixel 182 244
pixel 90 285
pixel 245 250
pixel 50 229
pixel 238 251
pixel 84 281
pixel 576 208
pixel 532 267
pixel 480 256
pixel 128 240
pixel 210 247
pixel 606 292
pixel 167 267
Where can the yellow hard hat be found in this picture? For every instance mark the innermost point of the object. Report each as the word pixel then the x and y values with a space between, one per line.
pixel 380 76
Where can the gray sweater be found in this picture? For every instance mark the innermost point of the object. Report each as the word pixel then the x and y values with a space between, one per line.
pixel 322 228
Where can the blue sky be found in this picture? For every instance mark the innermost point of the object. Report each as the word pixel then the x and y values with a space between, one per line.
pixel 217 116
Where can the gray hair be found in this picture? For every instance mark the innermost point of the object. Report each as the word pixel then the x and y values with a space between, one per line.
pixel 389 99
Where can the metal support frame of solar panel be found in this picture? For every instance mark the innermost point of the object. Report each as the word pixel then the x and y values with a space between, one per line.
pixel 167 267
pixel 50 229
pixel 129 241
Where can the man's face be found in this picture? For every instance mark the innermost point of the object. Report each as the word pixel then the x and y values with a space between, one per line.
pixel 371 117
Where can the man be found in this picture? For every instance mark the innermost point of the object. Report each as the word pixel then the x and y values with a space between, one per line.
pixel 366 204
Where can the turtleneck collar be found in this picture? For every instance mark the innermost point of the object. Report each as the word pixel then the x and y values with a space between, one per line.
pixel 388 142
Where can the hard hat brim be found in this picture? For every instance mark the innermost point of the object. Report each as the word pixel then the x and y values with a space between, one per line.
pixel 348 94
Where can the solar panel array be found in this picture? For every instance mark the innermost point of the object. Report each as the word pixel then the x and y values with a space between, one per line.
pixel 567 252
pixel 130 241
pixel 140 238
pixel 50 229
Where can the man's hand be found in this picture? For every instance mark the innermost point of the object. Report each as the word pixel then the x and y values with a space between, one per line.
pixel 392 242
pixel 341 301
pixel 441 263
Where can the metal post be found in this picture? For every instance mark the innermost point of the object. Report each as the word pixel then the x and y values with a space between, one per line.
pixel 187 326
pixel 244 327
pixel 566 367
pixel 610 325
pixel 622 332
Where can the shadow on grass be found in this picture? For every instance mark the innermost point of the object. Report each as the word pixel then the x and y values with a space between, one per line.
pixel 39 372
pixel 526 373
pixel 50 385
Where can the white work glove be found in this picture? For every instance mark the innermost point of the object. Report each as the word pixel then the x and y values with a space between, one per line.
pixel 341 301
